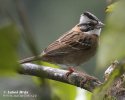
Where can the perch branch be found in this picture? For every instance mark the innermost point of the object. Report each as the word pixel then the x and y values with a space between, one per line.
pixel 78 79
pixel 115 83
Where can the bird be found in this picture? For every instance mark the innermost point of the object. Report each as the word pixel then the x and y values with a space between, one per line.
pixel 74 47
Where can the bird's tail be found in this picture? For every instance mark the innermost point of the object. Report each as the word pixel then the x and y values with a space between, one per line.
pixel 30 59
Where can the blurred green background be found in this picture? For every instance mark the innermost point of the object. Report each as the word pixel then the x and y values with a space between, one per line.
pixel 46 20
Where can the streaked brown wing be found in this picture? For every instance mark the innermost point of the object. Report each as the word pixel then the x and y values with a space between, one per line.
pixel 72 41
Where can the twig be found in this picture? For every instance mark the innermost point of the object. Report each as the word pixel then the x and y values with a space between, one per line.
pixel 110 69
pixel 79 79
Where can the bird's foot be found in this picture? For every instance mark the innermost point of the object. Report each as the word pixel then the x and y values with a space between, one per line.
pixel 70 71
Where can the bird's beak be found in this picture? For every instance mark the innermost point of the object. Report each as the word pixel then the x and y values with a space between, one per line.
pixel 100 25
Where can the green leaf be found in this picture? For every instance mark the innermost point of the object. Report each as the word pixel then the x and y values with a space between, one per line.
pixel 103 92
pixel 112 44
pixel 49 64
pixel 111 7
pixel 62 91
pixel 88 95
pixel 8 46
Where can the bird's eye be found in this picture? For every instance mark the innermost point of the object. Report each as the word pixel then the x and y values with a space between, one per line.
pixel 90 24
pixel 87 26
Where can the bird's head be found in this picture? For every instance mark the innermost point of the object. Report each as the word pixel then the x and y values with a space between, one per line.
pixel 90 24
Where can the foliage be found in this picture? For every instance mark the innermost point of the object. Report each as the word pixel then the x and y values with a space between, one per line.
pixel 112 47
pixel 112 42
pixel 62 91
pixel 8 46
